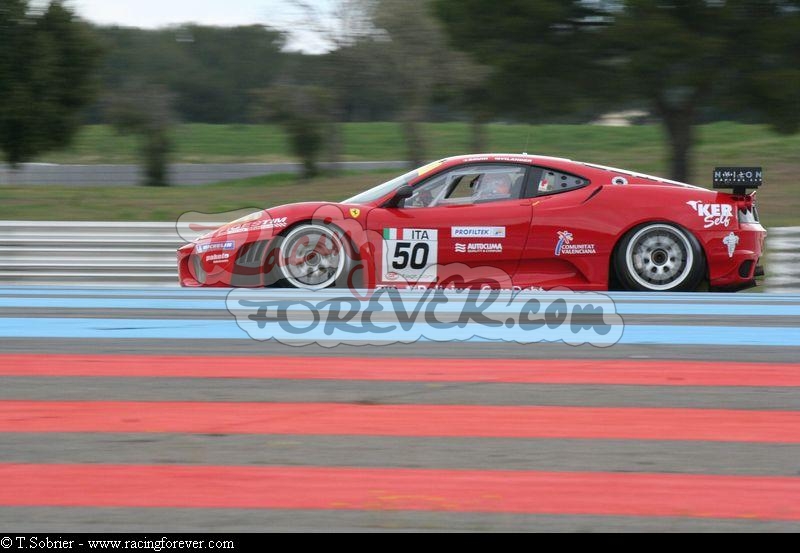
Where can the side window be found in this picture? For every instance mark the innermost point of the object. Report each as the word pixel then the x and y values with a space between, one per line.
pixel 472 184
pixel 551 182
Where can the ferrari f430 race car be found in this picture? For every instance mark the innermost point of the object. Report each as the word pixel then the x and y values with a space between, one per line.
pixel 502 221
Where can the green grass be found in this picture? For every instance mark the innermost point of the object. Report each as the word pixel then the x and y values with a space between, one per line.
pixel 114 203
pixel 642 145
pixel 640 148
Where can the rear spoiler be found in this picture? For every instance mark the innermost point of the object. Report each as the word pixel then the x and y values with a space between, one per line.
pixel 738 178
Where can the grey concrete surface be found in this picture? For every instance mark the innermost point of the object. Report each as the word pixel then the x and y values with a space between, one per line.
pixel 395 393
pixel 488 351
pixel 679 457
pixel 62 520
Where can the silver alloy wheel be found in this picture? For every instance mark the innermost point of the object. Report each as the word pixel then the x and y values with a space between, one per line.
pixel 659 257
pixel 312 257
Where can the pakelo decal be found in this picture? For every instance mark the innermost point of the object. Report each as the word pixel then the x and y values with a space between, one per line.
pixel 218 258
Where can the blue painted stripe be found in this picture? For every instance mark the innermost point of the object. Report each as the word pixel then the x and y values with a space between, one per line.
pixel 784 310
pixel 228 329
pixel 712 335
pixel 205 293
pixel 455 303
pixel 119 328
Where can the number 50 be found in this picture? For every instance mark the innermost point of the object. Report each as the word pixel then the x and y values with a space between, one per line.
pixel 406 254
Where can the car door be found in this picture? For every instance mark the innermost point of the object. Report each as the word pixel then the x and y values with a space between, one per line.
pixel 566 245
pixel 467 224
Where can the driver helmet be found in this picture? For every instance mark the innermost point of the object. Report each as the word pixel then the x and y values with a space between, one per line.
pixel 495 185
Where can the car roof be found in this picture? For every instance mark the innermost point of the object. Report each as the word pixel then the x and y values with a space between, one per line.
pixel 552 162
pixel 518 158
pixel 558 163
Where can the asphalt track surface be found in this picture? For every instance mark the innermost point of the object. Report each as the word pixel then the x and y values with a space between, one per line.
pixel 114 417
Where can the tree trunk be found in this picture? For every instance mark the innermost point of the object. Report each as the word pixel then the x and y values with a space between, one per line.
pixel 680 132
pixel 415 143
pixel 479 139
pixel 310 169
pixel 335 146
pixel 156 158
pixel 335 140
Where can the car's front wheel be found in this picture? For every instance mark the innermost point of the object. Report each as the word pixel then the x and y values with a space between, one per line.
pixel 313 256
pixel 660 257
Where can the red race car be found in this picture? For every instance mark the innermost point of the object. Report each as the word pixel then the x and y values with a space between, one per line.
pixel 502 221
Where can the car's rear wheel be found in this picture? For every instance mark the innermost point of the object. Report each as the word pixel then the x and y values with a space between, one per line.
pixel 313 256
pixel 660 257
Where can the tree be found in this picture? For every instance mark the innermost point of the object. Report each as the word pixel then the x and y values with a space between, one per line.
pixel 47 62
pixel 681 57
pixel 389 56
pixel 146 110
pixel 416 51
pixel 303 111
pixel 765 50
pixel 352 73
pixel 210 70
pixel 684 56
pixel 540 53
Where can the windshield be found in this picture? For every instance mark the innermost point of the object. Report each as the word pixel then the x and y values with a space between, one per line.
pixel 382 189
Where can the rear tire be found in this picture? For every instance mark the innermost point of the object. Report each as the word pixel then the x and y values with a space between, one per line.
pixel 660 257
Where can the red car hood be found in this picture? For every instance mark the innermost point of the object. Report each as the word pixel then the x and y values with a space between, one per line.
pixel 269 222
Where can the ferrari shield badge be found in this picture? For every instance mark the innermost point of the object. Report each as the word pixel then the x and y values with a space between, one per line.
pixel 354 213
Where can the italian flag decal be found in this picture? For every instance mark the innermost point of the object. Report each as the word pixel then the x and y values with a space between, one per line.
pixel 390 234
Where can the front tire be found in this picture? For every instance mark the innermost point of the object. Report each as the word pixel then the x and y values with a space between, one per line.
pixel 313 256
pixel 660 257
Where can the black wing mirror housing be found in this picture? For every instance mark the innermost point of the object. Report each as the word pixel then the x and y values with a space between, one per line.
pixel 403 193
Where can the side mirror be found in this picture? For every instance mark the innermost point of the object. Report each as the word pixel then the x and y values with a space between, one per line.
pixel 402 194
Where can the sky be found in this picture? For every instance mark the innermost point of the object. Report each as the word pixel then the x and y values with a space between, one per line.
pixel 152 14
